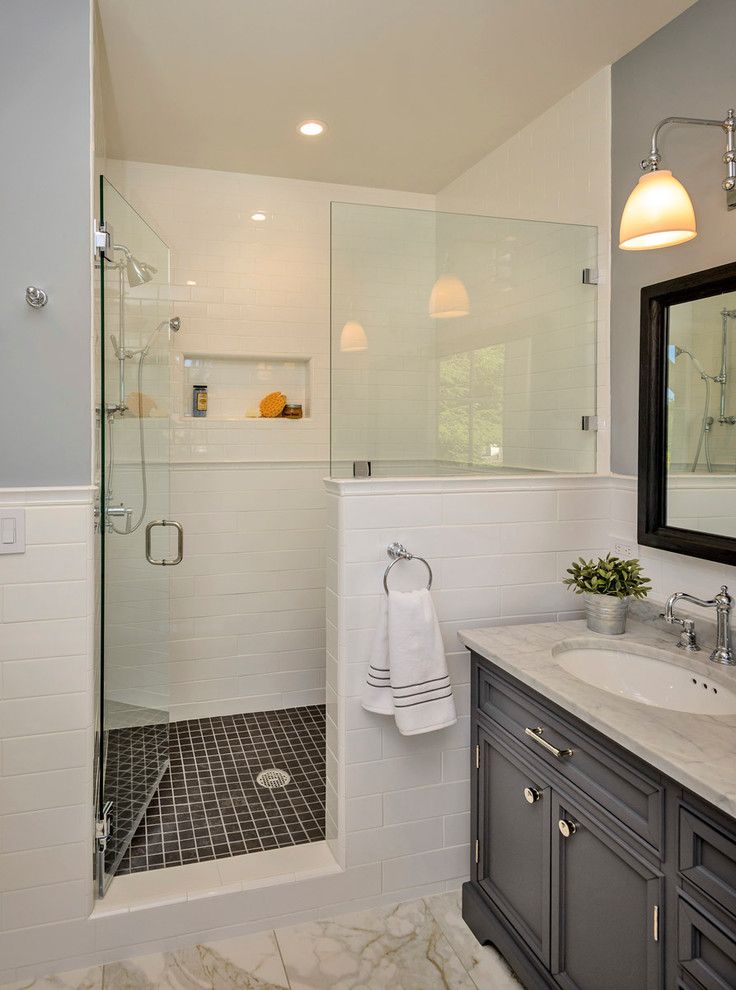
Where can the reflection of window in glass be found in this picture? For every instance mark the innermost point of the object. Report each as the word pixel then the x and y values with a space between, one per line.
pixel 470 424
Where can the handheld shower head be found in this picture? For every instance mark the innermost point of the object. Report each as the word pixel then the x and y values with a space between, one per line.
pixel 676 351
pixel 174 325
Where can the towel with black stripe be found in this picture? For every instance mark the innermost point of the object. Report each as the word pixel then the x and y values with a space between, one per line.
pixel 407 673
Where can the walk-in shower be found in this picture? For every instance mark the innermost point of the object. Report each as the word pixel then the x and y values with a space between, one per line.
pixel 234 777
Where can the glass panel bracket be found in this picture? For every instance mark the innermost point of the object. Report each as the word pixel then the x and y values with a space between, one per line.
pixel 102 239
pixel 103 827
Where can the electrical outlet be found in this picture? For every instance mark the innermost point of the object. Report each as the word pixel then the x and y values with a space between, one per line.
pixel 621 548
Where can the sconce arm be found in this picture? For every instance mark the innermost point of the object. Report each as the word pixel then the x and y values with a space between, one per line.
pixel 653 161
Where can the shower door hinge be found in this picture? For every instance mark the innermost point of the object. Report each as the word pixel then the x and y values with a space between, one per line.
pixel 103 827
pixel 103 241
pixel 589 424
pixel 590 276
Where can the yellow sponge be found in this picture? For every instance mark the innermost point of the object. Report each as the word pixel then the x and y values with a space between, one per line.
pixel 272 405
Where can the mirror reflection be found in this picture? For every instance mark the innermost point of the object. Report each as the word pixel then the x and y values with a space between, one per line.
pixel 701 415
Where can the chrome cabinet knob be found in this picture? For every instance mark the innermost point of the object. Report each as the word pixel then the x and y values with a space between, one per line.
pixel 531 794
pixel 567 828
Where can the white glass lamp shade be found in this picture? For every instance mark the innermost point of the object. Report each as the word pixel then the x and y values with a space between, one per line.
pixel 449 298
pixel 658 213
pixel 353 338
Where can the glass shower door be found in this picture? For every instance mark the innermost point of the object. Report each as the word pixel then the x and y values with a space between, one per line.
pixel 134 530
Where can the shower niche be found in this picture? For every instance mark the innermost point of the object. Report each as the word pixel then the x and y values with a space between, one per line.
pixel 687 415
pixel 236 383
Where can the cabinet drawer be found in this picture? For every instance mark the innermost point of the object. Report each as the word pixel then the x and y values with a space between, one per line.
pixel 706 951
pixel 707 858
pixel 631 796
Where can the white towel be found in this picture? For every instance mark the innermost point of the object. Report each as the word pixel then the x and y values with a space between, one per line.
pixel 409 656
pixel 377 688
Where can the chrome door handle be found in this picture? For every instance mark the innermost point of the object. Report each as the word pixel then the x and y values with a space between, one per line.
pixel 536 735
pixel 531 794
pixel 164 561
pixel 567 828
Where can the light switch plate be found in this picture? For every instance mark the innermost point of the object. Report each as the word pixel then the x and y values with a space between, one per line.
pixel 12 530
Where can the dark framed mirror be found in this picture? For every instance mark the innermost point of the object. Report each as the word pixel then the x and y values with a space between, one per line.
pixel 687 415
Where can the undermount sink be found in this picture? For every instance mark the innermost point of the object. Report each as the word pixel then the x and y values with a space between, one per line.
pixel 648 680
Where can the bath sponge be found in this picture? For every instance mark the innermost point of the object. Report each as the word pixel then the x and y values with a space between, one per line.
pixel 272 405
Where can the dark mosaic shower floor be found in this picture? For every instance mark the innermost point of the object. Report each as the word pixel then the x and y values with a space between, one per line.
pixel 209 806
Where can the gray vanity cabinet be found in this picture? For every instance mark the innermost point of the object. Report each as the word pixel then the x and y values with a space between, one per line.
pixel 514 850
pixel 605 906
pixel 590 870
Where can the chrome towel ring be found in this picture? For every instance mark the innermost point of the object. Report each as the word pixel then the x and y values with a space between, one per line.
pixel 399 552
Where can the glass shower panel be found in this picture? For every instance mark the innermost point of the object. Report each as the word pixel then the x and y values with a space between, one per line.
pixel 134 463
pixel 476 347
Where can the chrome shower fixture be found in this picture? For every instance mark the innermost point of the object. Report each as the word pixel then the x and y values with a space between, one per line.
pixel 138 272
pixel 122 354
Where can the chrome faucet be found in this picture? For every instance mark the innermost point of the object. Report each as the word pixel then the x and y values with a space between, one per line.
pixel 722 603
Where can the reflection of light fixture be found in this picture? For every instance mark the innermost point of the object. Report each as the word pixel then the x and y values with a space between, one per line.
pixel 353 338
pixel 312 128
pixel 449 298
pixel 258 216
pixel 659 213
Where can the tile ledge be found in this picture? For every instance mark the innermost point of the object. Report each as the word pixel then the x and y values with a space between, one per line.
pixel 191 891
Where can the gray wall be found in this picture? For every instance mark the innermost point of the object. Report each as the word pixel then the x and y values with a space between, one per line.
pixel 686 69
pixel 45 216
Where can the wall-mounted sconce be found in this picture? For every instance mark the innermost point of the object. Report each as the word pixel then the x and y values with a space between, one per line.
pixel 449 298
pixel 353 338
pixel 659 212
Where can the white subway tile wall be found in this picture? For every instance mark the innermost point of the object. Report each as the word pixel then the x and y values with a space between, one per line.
pixel 254 299
pixel 46 716
pixel 497 555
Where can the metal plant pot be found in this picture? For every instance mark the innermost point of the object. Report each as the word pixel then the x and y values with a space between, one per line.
pixel 606 614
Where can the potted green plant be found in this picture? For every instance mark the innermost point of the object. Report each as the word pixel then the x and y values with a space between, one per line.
pixel 608 584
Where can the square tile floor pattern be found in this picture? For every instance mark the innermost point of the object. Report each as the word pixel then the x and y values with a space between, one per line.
pixel 209 805
pixel 419 945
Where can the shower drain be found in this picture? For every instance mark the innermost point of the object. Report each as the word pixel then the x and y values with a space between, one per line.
pixel 273 778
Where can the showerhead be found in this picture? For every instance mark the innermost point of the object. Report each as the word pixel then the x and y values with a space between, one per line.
pixel 175 324
pixel 138 272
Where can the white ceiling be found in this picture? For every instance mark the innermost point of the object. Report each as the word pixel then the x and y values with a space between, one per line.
pixel 414 91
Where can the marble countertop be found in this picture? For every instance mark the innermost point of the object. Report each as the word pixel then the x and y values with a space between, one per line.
pixel 696 751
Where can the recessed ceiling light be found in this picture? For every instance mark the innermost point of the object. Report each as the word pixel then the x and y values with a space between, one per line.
pixel 190 281
pixel 258 216
pixel 312 128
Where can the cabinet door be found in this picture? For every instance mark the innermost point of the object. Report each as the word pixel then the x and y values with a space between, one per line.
pixel 513 840
pixel 606 904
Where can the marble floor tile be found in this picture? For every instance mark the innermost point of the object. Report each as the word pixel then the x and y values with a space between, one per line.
pixel 486 967
pixel 78 979
pixel 392 948
pixel 249 962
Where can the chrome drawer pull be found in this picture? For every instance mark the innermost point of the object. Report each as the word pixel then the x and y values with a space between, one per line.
pixel 567 828
pixel 531 794
pixel 536 735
